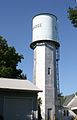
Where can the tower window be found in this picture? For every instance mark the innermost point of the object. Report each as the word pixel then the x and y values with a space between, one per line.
pixel 49 71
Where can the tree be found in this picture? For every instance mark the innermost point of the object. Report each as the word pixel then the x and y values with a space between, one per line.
pixel 39 109
pixel 72 15
pixel 9 60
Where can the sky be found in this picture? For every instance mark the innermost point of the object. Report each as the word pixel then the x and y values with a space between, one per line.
pixel 16 27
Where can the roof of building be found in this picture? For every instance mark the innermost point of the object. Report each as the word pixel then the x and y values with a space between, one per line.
pixel 68 99
pixel 71 101
pixel 18 84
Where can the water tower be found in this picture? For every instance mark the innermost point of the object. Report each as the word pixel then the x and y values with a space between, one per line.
pixel 46 55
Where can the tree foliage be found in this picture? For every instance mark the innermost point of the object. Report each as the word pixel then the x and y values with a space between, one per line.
pixel 9 60
pixel 72 15
pixel 39 108
pixel 61 98
pixel 39 101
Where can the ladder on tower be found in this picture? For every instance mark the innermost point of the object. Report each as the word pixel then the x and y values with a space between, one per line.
pixel 57 70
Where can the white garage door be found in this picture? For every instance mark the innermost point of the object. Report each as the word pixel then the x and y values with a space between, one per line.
pixel 17 108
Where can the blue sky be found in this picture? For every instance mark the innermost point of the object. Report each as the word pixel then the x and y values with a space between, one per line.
pixel 15 26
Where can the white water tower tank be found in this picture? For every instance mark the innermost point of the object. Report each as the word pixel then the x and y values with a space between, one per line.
pixel 45 27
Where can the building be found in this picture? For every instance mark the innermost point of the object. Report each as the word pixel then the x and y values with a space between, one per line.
pixel 70 104
pixel 46 55
pixel 68 110
pixel 18 99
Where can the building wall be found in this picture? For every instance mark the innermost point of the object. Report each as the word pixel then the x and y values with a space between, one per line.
pixel 66 114
pixel 18 98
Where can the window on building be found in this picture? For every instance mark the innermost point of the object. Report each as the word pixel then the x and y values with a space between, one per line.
pixel 64 112
pixel 49 71
pixel 67 113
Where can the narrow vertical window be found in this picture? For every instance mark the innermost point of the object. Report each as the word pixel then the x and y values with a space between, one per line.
pixel 67 113
pixel 64 112
pixel 49 71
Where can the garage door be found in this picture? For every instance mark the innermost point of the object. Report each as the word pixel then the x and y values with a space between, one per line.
pixel 17 108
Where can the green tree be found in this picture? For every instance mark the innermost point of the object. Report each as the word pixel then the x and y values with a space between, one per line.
pixel 39 108
pixel 72 15
pixel 9 60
